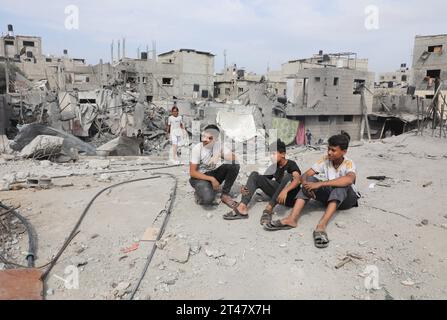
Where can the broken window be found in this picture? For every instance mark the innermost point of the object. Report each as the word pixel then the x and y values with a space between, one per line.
pixel 317 79
pixel 285 92
pixel 404 78
pixel 323 118
pixel 434 73
pixel 196 88
pixel 394 77
pixel 435 49
pixel 48 60
pixel 240 90
pixel 358 84
pixel 29 54
pixel 204 93
pixel 28 43
pixel 348 118
pixel 149 98
pixel 167 81
pixel 9 42
pixel 336 81
pixel 382 78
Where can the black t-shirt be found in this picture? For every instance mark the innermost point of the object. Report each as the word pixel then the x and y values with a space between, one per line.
pixel 274 171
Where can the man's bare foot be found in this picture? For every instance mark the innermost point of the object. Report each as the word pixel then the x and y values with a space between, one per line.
pixel 289 222
pixel 228 201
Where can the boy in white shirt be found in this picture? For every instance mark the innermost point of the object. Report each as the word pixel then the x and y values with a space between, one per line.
pixel 212 165
pixel 175 131
pixel 330 181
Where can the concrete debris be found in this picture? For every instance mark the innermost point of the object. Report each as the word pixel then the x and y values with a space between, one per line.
pixel 227 262
pixel 121 289
pixel 99 164
pixel 178 251
pixel 408 282
pixel 122 146
pixel 43 147
pixel 170 279
pixel 214 252
pixel 340 224
pixel 104 177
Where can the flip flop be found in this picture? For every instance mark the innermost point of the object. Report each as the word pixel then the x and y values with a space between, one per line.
pixel 266 217
pixel 276 226
pixel 235 215
pixel 321 239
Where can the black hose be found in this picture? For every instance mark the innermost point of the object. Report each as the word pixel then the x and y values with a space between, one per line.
pixel 81 218
pixel 32 237
pixel 168 210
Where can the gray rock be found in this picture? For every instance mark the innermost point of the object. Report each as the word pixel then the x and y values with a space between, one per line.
pixel 340 224
pixel 170 279
pixel 178 251
pixel 195 247
pixel 444 226
pixel 214 253
pixel 50 292
pixel 227 262
pixel 424 222
pixel 99 164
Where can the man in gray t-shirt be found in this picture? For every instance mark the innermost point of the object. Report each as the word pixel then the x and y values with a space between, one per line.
pixel 212 165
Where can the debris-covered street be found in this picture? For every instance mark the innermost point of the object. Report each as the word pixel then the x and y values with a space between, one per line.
pixel 201 256
pixel 231 150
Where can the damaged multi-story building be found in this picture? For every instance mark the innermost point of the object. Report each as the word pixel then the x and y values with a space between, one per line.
pixel 397 79
pixel 429 64
pixel 329 93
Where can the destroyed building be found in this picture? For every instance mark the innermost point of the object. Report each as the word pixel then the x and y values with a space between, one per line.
pixel 397 79
pixel 429 64
pixel 234 83
pixel 327 98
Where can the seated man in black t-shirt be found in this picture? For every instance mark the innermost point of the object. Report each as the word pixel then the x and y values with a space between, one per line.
pixel 281 182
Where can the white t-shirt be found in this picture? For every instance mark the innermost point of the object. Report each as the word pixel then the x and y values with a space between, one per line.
pixel 202 155
pixel 175 123
pixel 326 171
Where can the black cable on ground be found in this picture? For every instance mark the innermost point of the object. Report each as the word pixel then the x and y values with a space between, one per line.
pixel 168 210
pixel 32 237
pixel 81 218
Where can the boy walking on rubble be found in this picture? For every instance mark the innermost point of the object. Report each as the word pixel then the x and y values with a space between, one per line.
pixel 335 188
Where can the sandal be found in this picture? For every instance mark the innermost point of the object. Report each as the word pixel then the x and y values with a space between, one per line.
pixel 277 225
pixel 266 217
pixel 235 215
pixel 233 204
pixel 321 239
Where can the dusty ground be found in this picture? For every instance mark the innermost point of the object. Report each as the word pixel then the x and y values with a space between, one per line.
pixel 238 259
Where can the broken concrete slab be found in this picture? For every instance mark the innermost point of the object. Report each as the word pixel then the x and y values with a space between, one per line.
pixel 29 132
pixel 122 146
pixel 99 164
pixel 43 147
pixel 178 251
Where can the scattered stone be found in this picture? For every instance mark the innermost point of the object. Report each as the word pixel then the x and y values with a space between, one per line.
pixel 444 226
pixel 195 247
pixel 78 262
pixel 4 185
pixel 408 282
pixel 22 175
pixel 104 178
pixel 45 163
pixel 95 236
pixel 227 262
pixel 283 245
pixel 170 279
pixel 424 222
pixel 99 164
pixel 121 289
pixel 50 292
pixel 209 216
pixel 214 253
pixel 161 244
pixel 340 225
pixel 2 266
pixel 178 251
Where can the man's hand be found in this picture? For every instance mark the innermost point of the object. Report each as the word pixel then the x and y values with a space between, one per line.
pixel 215 183
pixel 282 197
pixel 244 191
pixel 312 186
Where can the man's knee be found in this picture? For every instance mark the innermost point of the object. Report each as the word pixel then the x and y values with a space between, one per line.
pixel 338 194
pixel 206 196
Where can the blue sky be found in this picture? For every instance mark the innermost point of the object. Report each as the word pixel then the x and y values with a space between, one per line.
pixel 255 33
